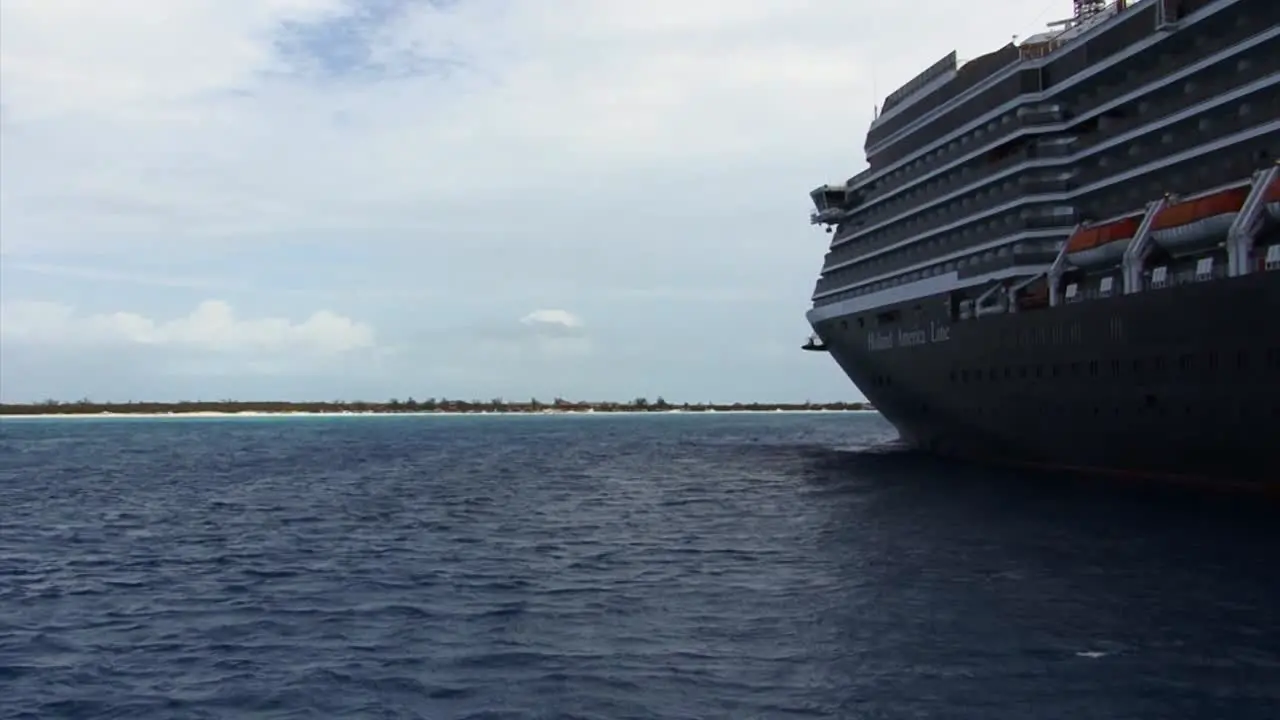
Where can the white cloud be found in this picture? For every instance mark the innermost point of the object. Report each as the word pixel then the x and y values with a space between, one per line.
pixel 188 120
pixel 551 335
pixel 559 318
pixel 557 334
pixel 211 328
pixel 423 167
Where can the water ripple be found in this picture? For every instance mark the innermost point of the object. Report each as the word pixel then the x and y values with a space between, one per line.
pixel 632 567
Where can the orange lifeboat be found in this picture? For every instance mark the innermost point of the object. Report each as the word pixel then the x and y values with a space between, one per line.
pixel 1195 223
pixel 1101 244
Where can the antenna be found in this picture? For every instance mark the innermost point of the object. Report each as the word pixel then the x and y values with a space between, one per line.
pixel 875 82
pixel 875 90
pixel 1086 9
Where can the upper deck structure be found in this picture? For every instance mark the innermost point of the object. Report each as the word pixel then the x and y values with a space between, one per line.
pixel 985 169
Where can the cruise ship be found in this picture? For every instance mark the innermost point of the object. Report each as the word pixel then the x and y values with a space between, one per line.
pixel 1066 252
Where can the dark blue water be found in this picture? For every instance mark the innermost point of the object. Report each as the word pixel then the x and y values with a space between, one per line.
pixel 758 566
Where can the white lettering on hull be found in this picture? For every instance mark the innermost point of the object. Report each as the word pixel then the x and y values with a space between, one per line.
pixel 935 333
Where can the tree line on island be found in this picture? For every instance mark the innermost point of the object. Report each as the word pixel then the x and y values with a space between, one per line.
pixel 395 405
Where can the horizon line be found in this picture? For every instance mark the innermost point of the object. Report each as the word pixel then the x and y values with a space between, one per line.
pixel 426 404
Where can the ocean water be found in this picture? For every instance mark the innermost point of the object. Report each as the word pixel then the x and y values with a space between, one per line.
pixel 727 566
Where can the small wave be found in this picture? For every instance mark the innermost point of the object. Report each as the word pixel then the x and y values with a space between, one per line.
pixel 759 566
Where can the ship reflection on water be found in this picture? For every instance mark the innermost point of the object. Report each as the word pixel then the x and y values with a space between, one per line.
pixel 1062 594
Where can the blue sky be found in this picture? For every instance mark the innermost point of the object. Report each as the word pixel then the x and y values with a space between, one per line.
pixel 322 199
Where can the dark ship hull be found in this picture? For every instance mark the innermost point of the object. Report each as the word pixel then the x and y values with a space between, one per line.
pixel 1182 383
pixel 1066 252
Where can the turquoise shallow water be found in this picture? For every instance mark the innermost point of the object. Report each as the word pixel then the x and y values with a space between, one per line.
pixel 735 566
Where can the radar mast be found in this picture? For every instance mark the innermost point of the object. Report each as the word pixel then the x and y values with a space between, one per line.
pixel 1086 9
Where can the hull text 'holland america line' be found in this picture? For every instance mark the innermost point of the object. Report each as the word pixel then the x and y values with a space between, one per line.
pixel 1067 252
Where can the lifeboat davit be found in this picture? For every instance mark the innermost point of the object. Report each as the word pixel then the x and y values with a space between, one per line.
pixel 1182 227
pixel 1272 199
pixel 1102 244
pixel 1199 222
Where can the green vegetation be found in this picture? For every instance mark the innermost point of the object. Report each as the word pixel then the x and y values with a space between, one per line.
pixel 409 405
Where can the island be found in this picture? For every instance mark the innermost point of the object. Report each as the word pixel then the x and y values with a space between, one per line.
pixel 405 406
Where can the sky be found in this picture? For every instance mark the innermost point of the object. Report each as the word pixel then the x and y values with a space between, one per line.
pixel 368 199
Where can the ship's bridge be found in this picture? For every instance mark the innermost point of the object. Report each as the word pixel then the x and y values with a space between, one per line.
pixel 832 203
